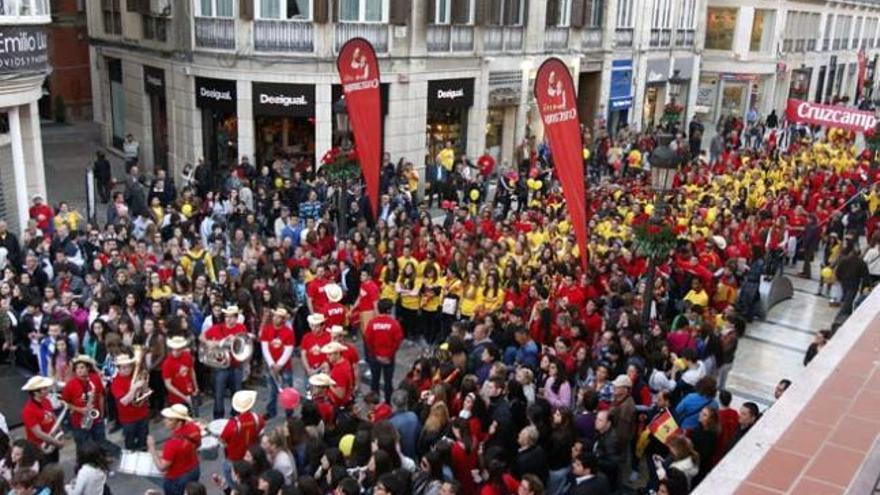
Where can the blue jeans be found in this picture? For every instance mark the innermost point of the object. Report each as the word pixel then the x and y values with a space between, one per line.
pixel 95 434
pixel 286 380
pixel 135 434
pixel 556 481
pixel 178 485
pixel 223 380
pixel 376 370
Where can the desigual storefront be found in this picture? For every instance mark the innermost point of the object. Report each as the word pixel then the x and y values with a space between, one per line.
pixel 284 123
pixel 449 103
pixel 217 100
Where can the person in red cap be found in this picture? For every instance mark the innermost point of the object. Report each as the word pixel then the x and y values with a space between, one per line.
pixel 382 339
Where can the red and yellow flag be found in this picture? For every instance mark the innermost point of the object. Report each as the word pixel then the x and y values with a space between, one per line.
pixel 663 426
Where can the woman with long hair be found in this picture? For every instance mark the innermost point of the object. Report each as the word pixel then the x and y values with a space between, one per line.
pixel 91 470
pixel 22 455
pixel 429 303
pixel 562 437
pixel 434 428
pixel 409 286
pixel 706 441
pixel 557 389
pixel 274 444
pixel 463 454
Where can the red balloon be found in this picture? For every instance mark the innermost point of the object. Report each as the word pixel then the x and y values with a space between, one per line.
pixel 288 398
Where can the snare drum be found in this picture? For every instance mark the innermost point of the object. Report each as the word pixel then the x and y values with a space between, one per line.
pixel 210 448
pixel 216 427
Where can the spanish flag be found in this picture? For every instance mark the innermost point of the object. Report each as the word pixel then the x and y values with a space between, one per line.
pixel 663 426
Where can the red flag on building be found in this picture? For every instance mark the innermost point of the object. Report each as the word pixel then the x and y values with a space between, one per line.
pixel 863 69
pixel 359 73
pixel 557 103
pixel 664 426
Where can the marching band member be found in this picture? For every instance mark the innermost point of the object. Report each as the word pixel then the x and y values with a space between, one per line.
pixel 132 415
pixel 179 374
pixel 232 376
pixel 39 417
pixel 179 459
pixel 311 344
pixel 241 431
pixel 276 341
pixel 338 334
pixel 334 312
pixel 84 395
pixel 368 298
pixel 382 339
pixel 342 392
pixel 320 383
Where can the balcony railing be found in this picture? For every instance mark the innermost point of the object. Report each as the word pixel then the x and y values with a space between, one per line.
pixel 375 33
pixel 215 32
pixel 274 35
pixel 155 28
pixel 661 37
pixel 498 38
pixel 685 37
pixel 445 38
pixel 623 37
pixel 592 38
pixel 556 38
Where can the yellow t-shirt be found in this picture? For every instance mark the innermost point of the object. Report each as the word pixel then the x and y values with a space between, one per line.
pixel 698 298
pixel 470 301
pixel 491 303
pixel 431 300
pixel 407 301
pixel 446 157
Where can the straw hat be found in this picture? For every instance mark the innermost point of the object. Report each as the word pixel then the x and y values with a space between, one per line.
pixel 244 400
pixel 177 411
pixel 231 310
pixel 622 381
pixel 332 347
pixel 337 330
pixel 315 319
pixel 177 342
pixel 124 360
pixel 281 312
pixel 37 383
pixel 321 380
pixel 720 242
pixel 82 358
pixel 334 292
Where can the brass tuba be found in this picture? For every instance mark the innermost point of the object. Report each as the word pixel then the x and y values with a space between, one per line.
pixel 242 347
pixel 215 354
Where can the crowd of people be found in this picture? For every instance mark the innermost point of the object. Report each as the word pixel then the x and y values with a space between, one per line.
pixel 532 375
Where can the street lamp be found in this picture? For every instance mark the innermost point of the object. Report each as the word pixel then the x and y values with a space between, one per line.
pixel 664 165
pixel 343 131
pixel 675 84
pixel 343 123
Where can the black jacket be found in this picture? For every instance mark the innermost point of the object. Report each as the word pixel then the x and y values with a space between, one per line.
pixel 607 451
pixel 531 460
pixel 597 485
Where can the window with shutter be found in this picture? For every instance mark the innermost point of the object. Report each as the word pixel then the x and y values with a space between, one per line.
pixel 246 9
pixel 494 11
pixel 461 12
pixel 400 12
pixel 322 11
pixel 431 16
pixel 552 13
pixel 513 12
pixel 578 9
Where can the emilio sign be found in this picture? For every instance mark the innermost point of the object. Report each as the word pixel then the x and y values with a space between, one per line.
pixel 830 116
pixel 23 49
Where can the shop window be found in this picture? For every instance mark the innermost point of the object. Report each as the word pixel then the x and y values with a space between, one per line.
pixel 362 10
pixel 24 7
pixel 285 9
pixel 762 30
pixel 720 24
pixel 216 8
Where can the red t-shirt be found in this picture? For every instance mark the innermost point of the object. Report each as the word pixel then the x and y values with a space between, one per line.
pixel 182 451
pixel 351 355
pixel 37 416
pixel 316 294
pixel 75 391
pixel 334 314
pixel 278 338
pixel 342 374
pixel 179 371
pixel 240 433
pixel 369 294
pixel 383 336
pixel 220 331
pixel 130 413
pixel 311 344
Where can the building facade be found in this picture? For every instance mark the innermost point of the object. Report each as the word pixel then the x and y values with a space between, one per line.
pixel 225 79
pixel 23 69
pixel 759 54
pixel 69 93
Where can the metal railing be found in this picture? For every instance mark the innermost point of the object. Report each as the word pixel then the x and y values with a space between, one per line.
pixel 275 35
pixel 155 28
pixel 623 37
pixel 445 38
pixel 375 33
pixel 513 38
pixel 556 38
pixel 592 38
pixel 498 38
pixel 811 45
pixel 660 37
pixel 685 37
pixel 215 32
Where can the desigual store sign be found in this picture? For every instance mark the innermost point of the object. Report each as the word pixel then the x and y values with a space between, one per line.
pixel 23 49
pixel 456 93
pixel 284 100
pixel 218 94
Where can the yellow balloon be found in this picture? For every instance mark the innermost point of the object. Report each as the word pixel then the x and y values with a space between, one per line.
pixel 279 182
pixel 530 183
pixel 827 274
pixel 538 184
pixel 187 210
pixel 345 444
pixel 475 195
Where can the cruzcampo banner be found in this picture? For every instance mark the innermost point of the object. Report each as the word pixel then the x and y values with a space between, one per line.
pixel 359 73
pixel 846 118
pixel 557 102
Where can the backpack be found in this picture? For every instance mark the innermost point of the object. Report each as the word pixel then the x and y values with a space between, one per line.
pixel 198 265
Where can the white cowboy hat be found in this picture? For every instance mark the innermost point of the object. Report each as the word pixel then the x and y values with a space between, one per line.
pixel 334 292
pixel 315 319
pixel 37 383
pixel 720 242
pixel 321 380
pixel 177 342
pixel 336 330
pixel 230 310
pixel 177 411
pixel 332 347
pixel 82 358
pixel 124 360
pixel 244 400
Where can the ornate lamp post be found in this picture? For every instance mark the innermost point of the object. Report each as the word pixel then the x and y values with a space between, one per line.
pixel 656 237
pixel 339 167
